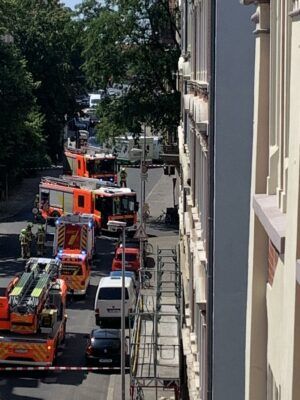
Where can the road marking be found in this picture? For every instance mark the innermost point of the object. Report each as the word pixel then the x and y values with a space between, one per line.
pixel 111 388
pixel 154 188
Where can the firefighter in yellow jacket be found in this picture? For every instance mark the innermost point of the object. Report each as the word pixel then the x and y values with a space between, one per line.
pixel 23 238
pixel 40 240
pixel 123 177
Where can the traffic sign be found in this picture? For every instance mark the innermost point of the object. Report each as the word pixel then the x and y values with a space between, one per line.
pixel 141 233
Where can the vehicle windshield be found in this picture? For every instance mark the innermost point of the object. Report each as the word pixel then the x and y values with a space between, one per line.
pixel 105 166
pixel 111 293
pixel 128 257
pixel 104 205
pixel 124 204
pixel 69 269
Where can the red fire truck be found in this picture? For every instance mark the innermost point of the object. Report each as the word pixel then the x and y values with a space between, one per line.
pixel 76 195
pixel 90 163
pixel 32 314
pixel 74 246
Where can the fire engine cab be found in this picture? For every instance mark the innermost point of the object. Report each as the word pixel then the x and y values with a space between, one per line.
pixel 74 247
pixel 89 162
pixel 34 321
pixel 76 195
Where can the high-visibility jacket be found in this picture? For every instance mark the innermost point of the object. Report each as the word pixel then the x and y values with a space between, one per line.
pixel 23 238
pixel 29 235
pixel 40 238
pixel 123 175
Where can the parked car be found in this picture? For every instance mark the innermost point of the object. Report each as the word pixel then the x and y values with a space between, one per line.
pixel 104 348
pixel 108 299
pixel 132 259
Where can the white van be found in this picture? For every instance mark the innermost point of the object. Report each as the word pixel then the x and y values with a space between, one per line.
pixel 95 99
pixel 108 299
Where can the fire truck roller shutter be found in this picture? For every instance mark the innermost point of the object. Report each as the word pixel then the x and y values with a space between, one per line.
pixel 56 198
pixel 68 202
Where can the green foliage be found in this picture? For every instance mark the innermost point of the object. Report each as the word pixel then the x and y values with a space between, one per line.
pixel 46 35
pixel 133 41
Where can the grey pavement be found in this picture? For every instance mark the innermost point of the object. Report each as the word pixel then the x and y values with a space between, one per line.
pixel 22 195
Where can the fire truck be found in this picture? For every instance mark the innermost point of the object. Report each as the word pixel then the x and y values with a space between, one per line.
pixel 90 163
pixel 74 247
pixel 77 195
pixel 32 314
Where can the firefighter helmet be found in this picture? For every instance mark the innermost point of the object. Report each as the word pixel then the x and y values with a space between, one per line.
pixel 40 228
pixel 23 231
pixel 30 225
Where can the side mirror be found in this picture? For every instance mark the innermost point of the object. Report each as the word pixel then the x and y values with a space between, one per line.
pixel 136 206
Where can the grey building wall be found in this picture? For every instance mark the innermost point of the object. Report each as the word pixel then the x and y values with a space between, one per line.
pixel 233 145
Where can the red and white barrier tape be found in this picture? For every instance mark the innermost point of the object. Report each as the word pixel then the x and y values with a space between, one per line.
pixel 59 368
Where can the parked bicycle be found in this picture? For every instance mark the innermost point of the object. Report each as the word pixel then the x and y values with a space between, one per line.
pixel 145 277
pixel 139 393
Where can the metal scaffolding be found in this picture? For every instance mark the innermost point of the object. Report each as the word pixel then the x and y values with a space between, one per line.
pixel 155 337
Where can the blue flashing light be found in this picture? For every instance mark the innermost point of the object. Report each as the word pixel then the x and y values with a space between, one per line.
pixel 83 252
pixel 57 222
pixel 90 224
pixel 111 179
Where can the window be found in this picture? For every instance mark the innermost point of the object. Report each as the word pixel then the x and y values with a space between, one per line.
pixel 80 201
pixel 79 164
pixel 128 257
pixel 112 293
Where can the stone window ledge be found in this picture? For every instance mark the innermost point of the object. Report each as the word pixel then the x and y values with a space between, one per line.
pixel 271 218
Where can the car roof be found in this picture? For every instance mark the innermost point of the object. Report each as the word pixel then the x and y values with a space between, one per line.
pixel 99 333
pixel 129 274
pixel 114 281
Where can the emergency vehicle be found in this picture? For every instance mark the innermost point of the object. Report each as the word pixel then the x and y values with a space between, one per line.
pixel 32 314
pixel 74 246
pixel 90 163
pixel 71 194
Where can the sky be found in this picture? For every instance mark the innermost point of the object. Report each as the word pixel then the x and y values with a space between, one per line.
pixel 71 3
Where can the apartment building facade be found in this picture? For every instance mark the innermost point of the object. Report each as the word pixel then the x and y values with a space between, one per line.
pixel 215 136
pixel 273 313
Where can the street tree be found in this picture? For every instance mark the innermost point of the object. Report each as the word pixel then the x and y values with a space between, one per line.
pixel 47 36
pixel 22 144
pixel 133 42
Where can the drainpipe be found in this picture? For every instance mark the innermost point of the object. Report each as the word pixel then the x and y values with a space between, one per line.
pixel 211 150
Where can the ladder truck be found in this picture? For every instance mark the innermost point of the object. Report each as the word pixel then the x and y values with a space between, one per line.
pixel 74 246
pixel 33 323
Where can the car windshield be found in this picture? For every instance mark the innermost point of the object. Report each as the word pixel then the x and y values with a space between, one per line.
pixel 124 204
pixel 128 257
pixel 111 293
pixel 105 166
pixel 69 269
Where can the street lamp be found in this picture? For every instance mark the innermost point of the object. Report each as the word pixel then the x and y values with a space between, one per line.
pixel 116 226
pixel 143 175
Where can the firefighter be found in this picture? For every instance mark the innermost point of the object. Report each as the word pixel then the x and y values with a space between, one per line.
pixel 23 238
pixel 123 177
pixel 40 240
pixel 29 235
pixel 36 201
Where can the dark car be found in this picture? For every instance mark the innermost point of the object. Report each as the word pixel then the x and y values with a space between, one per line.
pixel 104 348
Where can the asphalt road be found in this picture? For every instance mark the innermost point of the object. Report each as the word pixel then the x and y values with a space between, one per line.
pixel 63 385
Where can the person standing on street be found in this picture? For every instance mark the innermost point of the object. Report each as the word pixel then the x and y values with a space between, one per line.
pixel 123 177
pixel 23 238
pixel 30 236
pixel 40 241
